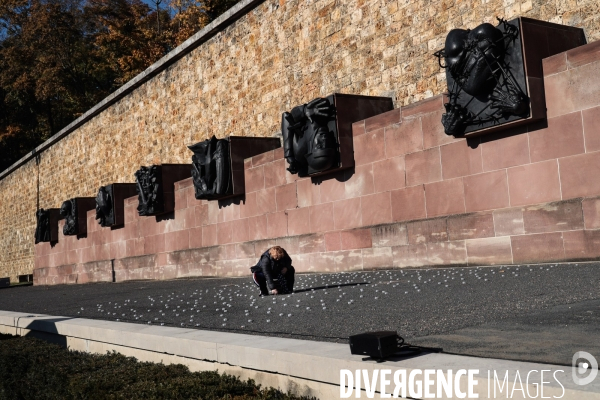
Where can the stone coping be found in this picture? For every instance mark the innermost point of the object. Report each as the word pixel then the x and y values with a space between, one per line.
pixel 210 30
pixel 313 361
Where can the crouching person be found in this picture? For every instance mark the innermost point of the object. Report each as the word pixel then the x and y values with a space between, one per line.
pixel 274 273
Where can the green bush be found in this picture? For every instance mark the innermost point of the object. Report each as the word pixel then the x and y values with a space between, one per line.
pixel 33 369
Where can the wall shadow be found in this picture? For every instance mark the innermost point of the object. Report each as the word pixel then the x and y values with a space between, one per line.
pixel 340 176
pixel 491 137
pixel 46 330
pixel 165 217
pixel 236 200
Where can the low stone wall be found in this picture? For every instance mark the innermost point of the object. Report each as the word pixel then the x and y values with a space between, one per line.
pixel 301 367
pixel 550 232
pixel 416 197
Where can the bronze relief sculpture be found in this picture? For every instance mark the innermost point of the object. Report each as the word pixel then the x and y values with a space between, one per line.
pixel 486 79
pixel 310 142
pixel 148 182
pixel 46 229
pixel 68 210
pixel 318 136
pixel 211 168
pixel 110 208
pixel 74 212
pixel 104 206
pixel 495 76
pixel 42 229
pixel 155 187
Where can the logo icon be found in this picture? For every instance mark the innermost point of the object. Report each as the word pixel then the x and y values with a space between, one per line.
pixel 582 363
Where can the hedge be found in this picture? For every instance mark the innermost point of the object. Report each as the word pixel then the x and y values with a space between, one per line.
pixel 34 369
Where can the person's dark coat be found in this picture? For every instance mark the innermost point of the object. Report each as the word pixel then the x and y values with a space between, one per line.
pixel 272 268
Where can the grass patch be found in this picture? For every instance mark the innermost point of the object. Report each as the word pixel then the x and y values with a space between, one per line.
pixel 33 369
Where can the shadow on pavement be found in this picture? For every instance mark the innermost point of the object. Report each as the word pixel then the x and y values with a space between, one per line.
pixel 330 287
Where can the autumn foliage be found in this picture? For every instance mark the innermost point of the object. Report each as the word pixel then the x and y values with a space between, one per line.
pixel 58 58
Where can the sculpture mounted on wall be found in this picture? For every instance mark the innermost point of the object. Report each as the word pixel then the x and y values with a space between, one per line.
pixel 109 203
pixel 68 210
pixel 218 164
pixel 74 211
pixel 155 186
pixel 211 171
pixel 104 206
pixel 310 141
pixel 42 229
pixel 148 184
pixel 486 77
pixel 46 229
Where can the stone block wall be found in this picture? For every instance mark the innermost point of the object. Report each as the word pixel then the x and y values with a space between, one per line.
pixel 241 78
pixel 416 197
pixel 18 200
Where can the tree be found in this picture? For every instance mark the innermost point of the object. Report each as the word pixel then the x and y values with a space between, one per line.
pixel 58 58
pixel 125 39
pixel 188 16
pixel 43 69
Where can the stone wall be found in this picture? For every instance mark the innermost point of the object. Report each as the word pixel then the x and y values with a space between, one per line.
pixel 240 79
pixel 18 200
pixel 416 197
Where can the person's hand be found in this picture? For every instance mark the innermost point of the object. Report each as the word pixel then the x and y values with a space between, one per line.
pixel 274 291
pixel 284 270
pixel 320 108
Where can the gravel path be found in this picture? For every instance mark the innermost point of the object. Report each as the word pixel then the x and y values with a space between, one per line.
pixel 538 313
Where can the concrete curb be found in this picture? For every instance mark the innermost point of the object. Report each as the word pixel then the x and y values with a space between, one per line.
pixel 300 366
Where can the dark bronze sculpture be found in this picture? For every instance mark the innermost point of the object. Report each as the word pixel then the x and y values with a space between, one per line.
pixel 148 184
pixel 46 229
pixel 211 170
pixel 42 230
pixel 486 77
pixel 104 206
pixel 218 164
pixel 74 211
pixel 110 208
pixel 155 186
pixel 310 142
pixel 68 210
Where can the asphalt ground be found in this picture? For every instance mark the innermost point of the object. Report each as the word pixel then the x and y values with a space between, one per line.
pixel 539 313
